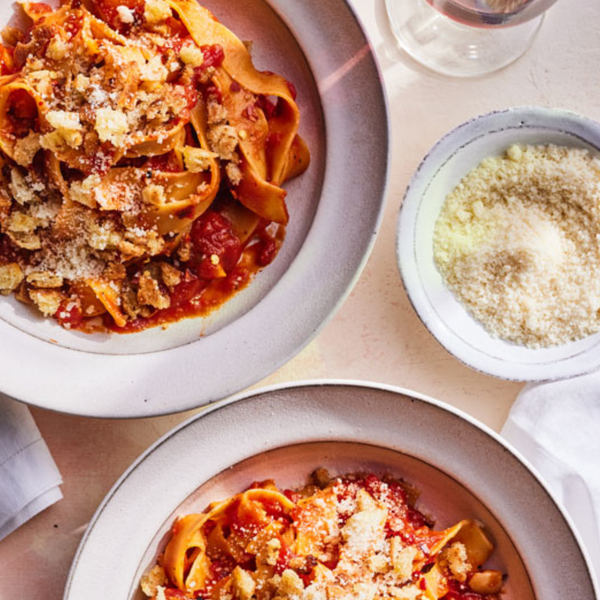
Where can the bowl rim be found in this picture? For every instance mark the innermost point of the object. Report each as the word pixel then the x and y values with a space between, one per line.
pixel 250 395
pixel 402 226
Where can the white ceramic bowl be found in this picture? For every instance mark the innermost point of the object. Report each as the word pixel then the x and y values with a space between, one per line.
pixel 464 470
pixel 443 167
pixel 335 211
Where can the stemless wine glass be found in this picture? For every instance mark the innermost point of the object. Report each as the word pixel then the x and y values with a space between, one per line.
pixel 466 38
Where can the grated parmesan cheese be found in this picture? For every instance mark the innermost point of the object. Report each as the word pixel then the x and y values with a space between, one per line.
pixel 517 242
pixel 96 95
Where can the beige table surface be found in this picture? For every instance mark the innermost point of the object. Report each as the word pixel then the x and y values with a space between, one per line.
pixel 376 335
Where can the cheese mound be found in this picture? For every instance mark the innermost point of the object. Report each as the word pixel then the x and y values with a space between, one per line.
pixel 518 243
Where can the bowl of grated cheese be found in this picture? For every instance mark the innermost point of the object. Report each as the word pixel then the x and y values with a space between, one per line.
pixel 498 243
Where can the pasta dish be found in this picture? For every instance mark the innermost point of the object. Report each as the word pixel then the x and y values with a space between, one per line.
pixel 354 537
pixel 141 162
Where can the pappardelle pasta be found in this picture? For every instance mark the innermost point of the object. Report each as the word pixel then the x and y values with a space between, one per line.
pixel 141 162
pixel 354 537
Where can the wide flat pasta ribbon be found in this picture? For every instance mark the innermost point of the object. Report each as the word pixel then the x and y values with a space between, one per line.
pixel 189 574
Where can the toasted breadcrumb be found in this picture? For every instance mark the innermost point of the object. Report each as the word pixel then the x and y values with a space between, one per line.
pixel 26 148
pixel 234 173
pixel 243 584
pixel 454 557
pixel 197 159
pixel 402 558
pixel 67 126
pixel 126 15
pixel 191 55
pixel 57 49
pixel 26 240
pixel 223 140
pixel 154 194
pixel 11 277
pixel 156 11
pixel 84 191
pixel 21 223
pixel 152 580
pixel 170 275
pixel 111 126
pixel 408 592
pixel 45 279
pixel 273 548
pixel 150 293
pixel 47 301
pixel 290 584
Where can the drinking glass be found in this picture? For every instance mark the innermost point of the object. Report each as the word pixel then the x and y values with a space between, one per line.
pixel 466 38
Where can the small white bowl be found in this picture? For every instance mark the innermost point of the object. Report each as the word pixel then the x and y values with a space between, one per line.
pixel 443 167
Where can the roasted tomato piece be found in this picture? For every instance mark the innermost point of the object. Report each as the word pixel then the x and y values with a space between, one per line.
pixel 218 248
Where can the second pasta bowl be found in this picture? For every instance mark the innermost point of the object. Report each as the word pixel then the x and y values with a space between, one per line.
pixel 466 475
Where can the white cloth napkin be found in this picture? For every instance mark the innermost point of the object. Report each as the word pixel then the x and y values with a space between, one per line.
pixel 29 478
pixel 556 426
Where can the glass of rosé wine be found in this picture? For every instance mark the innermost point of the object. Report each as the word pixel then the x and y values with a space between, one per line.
pixel 466 38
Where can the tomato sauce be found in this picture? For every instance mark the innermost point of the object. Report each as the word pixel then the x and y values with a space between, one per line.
pixel 213 56
pixel 284 559
pixel 220 266
pixel 22 113
pixel 39 8
pixel 166 163
pixel 108 10
pixel 69 315
pixel 6 60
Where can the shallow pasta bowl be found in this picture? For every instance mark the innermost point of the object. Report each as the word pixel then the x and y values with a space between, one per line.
pixel 441 170
pixel 335 210
pixel 463 470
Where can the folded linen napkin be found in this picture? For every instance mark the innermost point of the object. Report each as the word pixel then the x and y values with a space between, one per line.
pixel 556 426
pixel 29 478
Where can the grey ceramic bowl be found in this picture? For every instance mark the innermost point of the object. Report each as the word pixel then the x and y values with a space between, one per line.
pixel 463 469
pixel 335 211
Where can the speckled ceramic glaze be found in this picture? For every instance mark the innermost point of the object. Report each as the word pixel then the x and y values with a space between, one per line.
pixel 335 210
pixel 445 165
pixel 463 469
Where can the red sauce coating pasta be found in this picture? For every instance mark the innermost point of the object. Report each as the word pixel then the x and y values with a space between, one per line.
pixel 356 536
